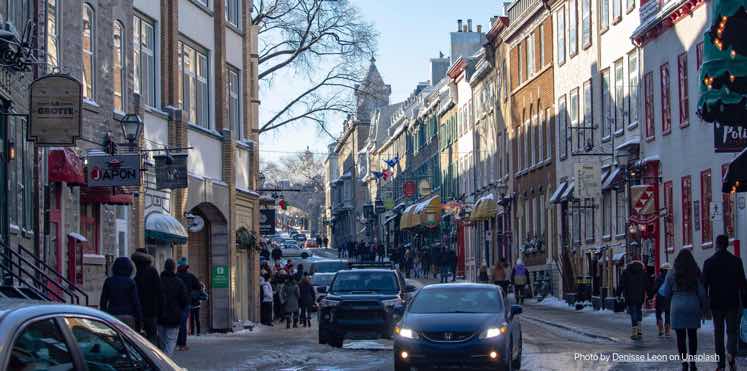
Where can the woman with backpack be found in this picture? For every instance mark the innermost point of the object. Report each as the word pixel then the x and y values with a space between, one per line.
pixel 520 280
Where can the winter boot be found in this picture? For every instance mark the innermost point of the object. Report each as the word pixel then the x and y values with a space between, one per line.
pixel 634 336
pixel 732 362
pixel 640 331
pixel 668 330
pixel 660 327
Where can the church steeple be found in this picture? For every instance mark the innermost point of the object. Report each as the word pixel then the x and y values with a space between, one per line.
pixel 373 93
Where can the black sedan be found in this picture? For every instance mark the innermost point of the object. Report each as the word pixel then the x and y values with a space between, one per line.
pixel 459 325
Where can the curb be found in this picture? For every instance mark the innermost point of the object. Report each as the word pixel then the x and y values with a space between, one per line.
pixel 571 329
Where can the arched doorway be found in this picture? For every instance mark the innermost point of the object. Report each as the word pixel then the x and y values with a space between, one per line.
pixel 208 253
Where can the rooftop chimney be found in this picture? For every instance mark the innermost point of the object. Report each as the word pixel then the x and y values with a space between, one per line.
pixel 469 25
pixel 479 28
pixel 459 25
pixel 465 29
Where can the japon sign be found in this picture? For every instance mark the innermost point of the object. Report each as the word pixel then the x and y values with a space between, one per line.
pixel 728 138
pixel 55 110
pixel 113 171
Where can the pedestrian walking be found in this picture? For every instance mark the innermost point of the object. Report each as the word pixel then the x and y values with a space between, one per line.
pixel 633 287
pixel 453 264
pixel 499 276
pixel 291 297
pixel 119 296
pixel 380 252
pixel 444 266
pixel 277 289
pixel 482 276
pixel 426 262
pixel 194 314
pixel 662 303
pixel 724 282
pixel 149 291
pixel 308 299
pixel 277 254
pixel 194 289
pixel 265 289
pixel 174 300
pixel 326 241
pixel 520 280
pixel 299 273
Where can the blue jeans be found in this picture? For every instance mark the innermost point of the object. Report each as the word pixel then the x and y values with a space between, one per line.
pixel 167 338
pixel 444 275
pixel 636 314
pixel 182 338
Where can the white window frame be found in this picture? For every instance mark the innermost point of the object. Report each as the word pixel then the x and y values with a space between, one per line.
pixel 89 82
pixel 234 88
pixel 122 62
pixel 53 32
pixel 233 12
pixel 141 53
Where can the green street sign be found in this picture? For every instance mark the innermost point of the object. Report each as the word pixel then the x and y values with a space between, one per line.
pixel 219 277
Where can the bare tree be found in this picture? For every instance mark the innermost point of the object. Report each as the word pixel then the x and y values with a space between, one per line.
pixel 322 41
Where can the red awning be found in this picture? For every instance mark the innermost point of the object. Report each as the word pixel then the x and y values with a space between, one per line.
pixel 65 166
pixel 104 195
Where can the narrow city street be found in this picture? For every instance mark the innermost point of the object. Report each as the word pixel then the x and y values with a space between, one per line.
pixel 555 338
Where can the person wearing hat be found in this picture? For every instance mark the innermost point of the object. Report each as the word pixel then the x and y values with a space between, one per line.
pixel 194 288
pixel 662 303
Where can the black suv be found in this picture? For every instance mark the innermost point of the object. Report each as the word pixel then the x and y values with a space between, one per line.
pixel 362 304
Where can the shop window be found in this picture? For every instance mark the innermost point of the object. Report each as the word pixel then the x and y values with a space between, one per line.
pixel 89 226
pixel 20 176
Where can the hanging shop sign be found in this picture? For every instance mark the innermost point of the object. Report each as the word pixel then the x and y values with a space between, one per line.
pixel 55 110
pixel 171 171
pixel 588 181
pixel 729 138
pixel 266 222
pixel 424 187
pixel 643 202
pixel 409 188
pixel 113 171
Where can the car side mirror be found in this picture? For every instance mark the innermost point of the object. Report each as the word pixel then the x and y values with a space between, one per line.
pixel 516 309
pixel 321 289
pixel 410 288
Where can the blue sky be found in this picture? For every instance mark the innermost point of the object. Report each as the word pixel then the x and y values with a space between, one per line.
pixel 410 33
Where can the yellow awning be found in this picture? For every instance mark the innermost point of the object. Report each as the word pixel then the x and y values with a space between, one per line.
pixel 485 208
pixel 406 217
pixel 428 212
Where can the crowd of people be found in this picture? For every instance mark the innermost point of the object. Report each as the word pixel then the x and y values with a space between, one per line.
pixel 686 296
pixel 157 305
pixel 361 251
pixel 286 294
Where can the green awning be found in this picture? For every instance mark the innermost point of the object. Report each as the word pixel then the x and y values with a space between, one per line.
pixel 165 228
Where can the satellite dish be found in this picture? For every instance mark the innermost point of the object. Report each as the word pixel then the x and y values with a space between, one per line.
pixel 197 224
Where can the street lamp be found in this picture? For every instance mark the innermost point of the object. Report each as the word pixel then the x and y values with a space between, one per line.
pixel 131 126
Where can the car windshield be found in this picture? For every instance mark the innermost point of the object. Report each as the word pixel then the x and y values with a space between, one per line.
pixel 322 279
pixel 330 267
pixel 365 281
pixel 457 300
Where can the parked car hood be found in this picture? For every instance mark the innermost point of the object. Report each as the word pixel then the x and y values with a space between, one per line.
pixel 455 322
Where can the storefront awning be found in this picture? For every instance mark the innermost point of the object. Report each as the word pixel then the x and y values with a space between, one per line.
pixel 390 218
pixel 735 179
pixel 405 218
pixel 613 179
pixel 165 228
pixel 485 208
pixel 568 192
pixel 65 166
pixel 428 212
pixel 555 198
pixel 105 196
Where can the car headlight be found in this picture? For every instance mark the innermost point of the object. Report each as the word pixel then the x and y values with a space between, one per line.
pixel 392 302
pixel 493 332
pixel 328 303
pixel 405 332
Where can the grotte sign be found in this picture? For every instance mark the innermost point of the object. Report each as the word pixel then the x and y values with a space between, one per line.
pixel 113 171
pixel 55 110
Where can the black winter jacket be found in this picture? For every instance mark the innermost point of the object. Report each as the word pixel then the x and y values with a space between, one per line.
pixel 634 283
pixel 174 300
pixel 724 281
pixel 119 295
pixel 192 284
pixel 148 284
pixel 308 296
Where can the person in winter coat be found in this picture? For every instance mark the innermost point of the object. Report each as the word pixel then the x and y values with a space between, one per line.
pixel 299 272
pixel 278 282
pixel 499 276
pixel 277 254
pixel 520 280
pixel 482 276
pixel 174 300
pixel 308 299
pixel 194 289
pixel 291 297
pixel 724 281
pixel 453 263
pixel 633 287
pixel 265 290
pixel 119 296
pixel 662 303
pixel 684 288
pixel 444 266
pixel 194 312
pixel 149 290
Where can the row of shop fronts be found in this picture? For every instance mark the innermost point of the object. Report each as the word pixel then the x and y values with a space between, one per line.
pixel 134 171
